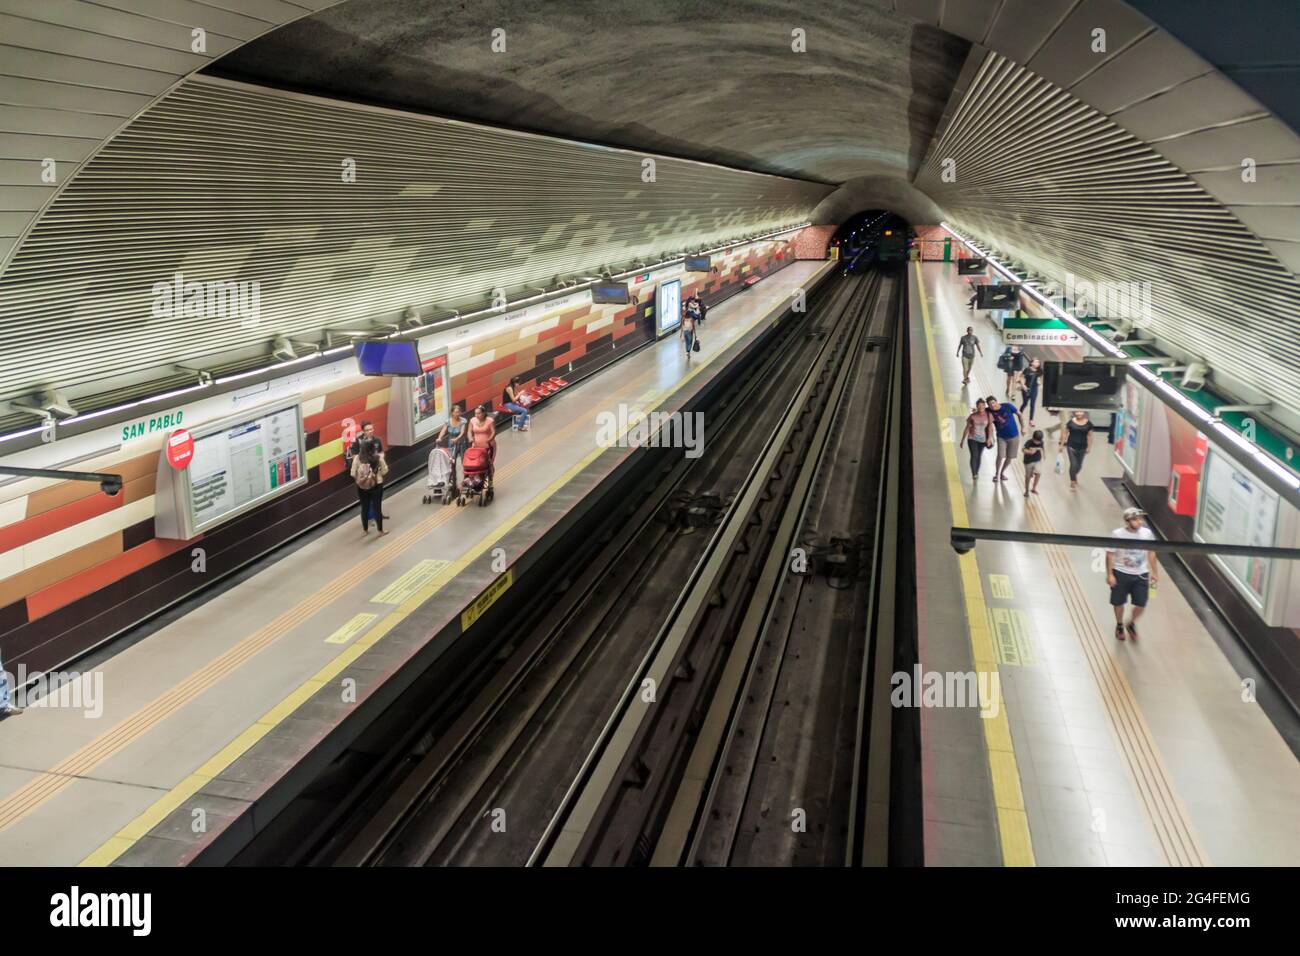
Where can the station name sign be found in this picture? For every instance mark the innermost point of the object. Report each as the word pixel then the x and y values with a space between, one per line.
pixel 150 426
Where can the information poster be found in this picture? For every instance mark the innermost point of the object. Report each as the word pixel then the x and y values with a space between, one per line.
pixel 431 396
pixel 1127 421
pixel 1236 509
pixel 237 466
pixel 668 306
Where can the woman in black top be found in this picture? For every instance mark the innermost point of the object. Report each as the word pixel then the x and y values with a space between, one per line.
pixel 1076 439
pixel 1014 364
pixel 1029 388
pixel 510 402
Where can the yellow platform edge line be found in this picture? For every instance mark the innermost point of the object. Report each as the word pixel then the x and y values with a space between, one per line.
pixel 112 848
pixel 1004 771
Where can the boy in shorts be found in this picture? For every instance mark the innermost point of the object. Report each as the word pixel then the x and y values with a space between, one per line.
pixel 1033 462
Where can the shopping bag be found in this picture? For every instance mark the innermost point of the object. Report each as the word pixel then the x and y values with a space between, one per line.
pixel 1060 464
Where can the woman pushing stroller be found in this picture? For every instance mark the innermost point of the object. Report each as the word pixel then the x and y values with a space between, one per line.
pixel 480 457
pixel 448 448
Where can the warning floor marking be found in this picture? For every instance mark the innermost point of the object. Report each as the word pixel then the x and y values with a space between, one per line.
pixel 1012 637
pixel 486 600
pixel 1000 586
pixel 351 629
pixel 410 582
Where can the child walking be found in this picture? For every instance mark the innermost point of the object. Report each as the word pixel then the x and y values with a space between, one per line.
pixel 1033 462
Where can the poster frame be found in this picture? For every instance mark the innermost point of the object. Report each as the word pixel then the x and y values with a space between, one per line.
pixel 175 518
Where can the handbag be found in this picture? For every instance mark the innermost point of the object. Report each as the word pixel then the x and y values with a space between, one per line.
pixel 696 346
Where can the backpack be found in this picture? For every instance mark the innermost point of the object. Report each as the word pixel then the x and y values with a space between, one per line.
pixel 1004 361
pixel 365 476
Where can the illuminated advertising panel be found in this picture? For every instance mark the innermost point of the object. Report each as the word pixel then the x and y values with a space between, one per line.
pixel 1127 422
pixel 668 306
pixel 236 464
pixel 431 396
pixel 1236 509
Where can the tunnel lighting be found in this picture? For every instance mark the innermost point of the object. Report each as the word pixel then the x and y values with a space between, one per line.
pixel 347 349
pixel 1174 395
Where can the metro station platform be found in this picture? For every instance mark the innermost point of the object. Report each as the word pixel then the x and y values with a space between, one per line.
pixel 204 715
pixel 1094 751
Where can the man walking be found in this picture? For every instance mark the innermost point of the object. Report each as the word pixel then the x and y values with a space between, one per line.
pixel 1008 424
pixel 967 346
pixel 1130 572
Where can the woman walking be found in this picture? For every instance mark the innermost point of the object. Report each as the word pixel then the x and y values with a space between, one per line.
pixel 1029 379
pixel 483 431
pixel 1076 440
pixel 368 470
pixel 978 435
pixel 453 436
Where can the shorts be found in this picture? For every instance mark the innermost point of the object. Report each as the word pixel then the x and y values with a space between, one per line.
pixel 1135 586
pixel 1008 447
pixel 1031 468
pixel 966 362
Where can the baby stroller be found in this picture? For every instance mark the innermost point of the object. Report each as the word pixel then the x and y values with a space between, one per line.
pixel 477 483
pixel 442 476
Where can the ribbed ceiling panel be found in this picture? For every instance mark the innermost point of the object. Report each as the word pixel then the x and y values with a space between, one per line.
pixel 225 182
pixel 1062 188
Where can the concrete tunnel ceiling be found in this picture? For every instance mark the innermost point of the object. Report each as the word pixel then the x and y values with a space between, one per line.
pixel 713 82
pixel 852 121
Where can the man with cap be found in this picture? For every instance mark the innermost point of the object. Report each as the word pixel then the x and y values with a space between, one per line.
pixel 1130 572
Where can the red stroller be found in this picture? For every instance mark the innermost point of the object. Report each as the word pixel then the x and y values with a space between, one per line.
pixel 478 471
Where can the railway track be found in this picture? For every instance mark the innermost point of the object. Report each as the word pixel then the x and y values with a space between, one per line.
pixel 720 758
pixel 501 782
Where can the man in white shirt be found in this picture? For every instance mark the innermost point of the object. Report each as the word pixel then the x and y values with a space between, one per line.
pixel 1130 572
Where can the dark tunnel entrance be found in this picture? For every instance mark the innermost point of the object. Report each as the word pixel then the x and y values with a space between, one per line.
pixel 872 237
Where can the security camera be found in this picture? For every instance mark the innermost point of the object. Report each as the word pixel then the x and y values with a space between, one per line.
pixel 282 349
pixel 56 405
pixel 111 485
pixel 1194 376
pixel 962 543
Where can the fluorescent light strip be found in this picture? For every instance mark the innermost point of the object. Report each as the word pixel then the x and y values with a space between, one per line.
pixel 343 349
pixel 1152 380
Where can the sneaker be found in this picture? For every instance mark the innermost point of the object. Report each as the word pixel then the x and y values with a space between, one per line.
pixel 1132 631
pixel 1119 632
pixel 10 712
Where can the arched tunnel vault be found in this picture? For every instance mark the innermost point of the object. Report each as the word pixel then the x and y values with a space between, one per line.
pixel 877 192
pixel 846 99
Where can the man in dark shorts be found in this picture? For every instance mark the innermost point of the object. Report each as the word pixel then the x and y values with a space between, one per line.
pixel 1130 572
